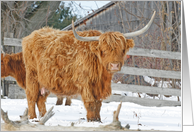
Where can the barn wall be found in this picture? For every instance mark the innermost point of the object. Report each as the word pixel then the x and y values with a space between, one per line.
pixel 129 16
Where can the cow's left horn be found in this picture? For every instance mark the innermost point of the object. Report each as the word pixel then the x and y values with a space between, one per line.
pixel 141 31
pixel 83 38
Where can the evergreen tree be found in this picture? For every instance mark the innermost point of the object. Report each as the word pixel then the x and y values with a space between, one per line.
pixel 62 17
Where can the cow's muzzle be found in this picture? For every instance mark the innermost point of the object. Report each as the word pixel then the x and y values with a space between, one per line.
pixel 114 66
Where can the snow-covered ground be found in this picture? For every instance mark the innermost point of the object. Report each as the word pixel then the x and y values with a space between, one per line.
pixel 150 118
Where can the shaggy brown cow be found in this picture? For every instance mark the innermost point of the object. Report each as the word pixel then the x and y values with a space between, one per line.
pixel 71 65
pixel 13 65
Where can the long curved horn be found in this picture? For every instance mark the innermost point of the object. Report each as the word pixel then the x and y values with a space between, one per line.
pixel 133 34
pixel 143 30
pixel 83 38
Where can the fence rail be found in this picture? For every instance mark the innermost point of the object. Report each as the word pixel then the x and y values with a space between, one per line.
pixel 143 101
pixel 136 100
pixel 155 53
pixel 12 42
pixel 146 89
pixel 134 51
pixel 151 72
pixel 137 88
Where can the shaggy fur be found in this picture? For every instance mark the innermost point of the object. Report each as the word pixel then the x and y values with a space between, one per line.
pixel 57 60
pixel 13 65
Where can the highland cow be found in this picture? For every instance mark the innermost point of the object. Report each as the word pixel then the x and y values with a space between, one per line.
pixel 13 65
pixel 70 63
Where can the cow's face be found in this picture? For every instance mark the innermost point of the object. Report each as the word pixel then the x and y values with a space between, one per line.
pixel 112 46
pixel 111 50
pixel 5 68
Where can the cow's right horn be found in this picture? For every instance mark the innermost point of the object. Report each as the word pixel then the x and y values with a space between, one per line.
pixel 143 30
pixel 83 38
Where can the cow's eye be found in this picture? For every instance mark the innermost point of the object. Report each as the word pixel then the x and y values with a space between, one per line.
pixel 103 53
pixel 123 51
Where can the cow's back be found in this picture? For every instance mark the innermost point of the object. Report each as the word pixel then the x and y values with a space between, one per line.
pixel 59 59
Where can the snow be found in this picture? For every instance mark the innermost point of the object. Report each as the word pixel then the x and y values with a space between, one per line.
pixel 163 84
pixel 149 80
pixel 150 118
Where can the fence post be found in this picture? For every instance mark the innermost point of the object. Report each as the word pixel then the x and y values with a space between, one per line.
pixel 3 86
pixel 6 88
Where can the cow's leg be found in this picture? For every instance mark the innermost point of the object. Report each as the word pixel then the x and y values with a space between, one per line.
pixel 68 101
pixel 59 100
pixel 91 105
pixel 98 107
pixel 93 110
pixel 32 91
pixel 41 103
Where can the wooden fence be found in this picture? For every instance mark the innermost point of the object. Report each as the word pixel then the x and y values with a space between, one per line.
pixel 138 71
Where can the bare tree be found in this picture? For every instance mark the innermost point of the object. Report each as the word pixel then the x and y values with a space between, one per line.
pixel 23 17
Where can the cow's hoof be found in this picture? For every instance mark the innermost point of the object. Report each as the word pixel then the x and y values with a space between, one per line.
pixel 68 103
pixel 35 120
pixel 58 103
pixel 32 116
pixel 94 120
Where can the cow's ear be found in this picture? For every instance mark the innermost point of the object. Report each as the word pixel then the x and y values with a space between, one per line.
pixel 130 44
pixel 61 60
pixel 95 49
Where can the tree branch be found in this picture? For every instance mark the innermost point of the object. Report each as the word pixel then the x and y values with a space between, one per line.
pixel 25 124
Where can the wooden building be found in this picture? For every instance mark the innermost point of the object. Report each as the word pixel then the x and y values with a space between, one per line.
pixel 129 16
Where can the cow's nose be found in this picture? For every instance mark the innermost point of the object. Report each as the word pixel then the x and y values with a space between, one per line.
pixel 114 66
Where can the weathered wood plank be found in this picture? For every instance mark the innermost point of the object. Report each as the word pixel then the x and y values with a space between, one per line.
pixel 155 53
pixel 10 78
pixel 134 51
pixel 146 89
pixel 12 42
pixel 142 101
pixel 151 72
pixel 137 88
pixel 136 100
